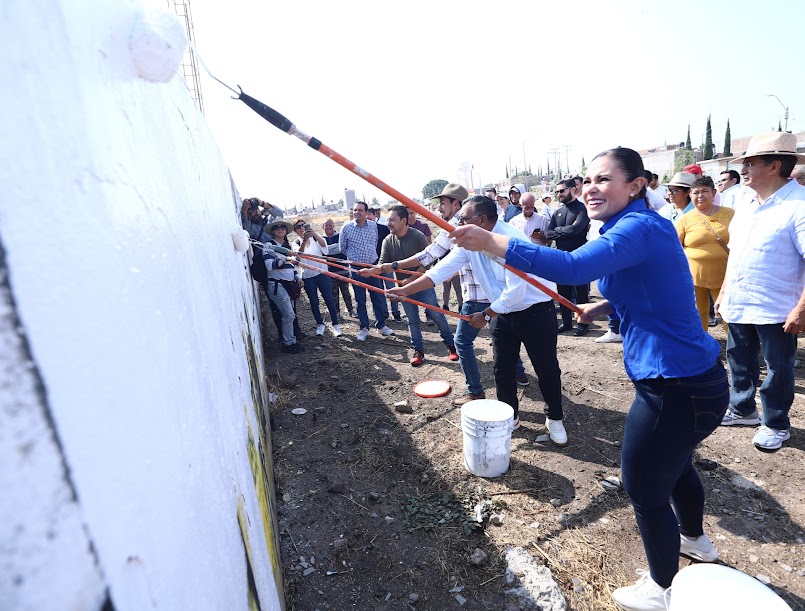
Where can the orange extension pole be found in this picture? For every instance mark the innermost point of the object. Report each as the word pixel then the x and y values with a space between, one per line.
pixel 284 124
pixel 281 250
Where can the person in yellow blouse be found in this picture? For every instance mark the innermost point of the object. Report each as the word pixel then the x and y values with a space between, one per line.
pixel 704 233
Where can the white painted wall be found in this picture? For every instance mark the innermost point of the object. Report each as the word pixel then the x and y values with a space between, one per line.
pixel 115 221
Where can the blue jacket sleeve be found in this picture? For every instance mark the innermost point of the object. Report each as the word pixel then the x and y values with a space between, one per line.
pixel 624 245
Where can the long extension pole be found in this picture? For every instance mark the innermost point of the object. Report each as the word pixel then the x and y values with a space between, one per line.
pixel 382 292
pixel 284 124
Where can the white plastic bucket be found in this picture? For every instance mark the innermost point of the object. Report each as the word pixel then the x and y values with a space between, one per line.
pixel 487 427
pixel 708 587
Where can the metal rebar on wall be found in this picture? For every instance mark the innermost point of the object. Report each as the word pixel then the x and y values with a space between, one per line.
pixel 189 65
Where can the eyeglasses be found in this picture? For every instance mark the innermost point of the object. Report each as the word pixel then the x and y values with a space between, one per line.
pixel 299 226
pixel 674 191
pixel 718 182
pixel 464 219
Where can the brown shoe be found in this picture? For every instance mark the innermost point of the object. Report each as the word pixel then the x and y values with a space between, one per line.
pixel 467 398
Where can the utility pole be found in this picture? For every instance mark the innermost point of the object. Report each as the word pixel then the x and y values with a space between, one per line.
pixel 771 95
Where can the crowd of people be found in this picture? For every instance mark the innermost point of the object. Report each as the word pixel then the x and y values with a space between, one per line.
pixel 661 256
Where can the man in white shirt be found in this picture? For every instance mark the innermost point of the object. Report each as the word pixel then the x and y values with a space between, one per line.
pixel 728 185
pixel 533 225
pixel 762 298
pixel 655 186
pixel 518 314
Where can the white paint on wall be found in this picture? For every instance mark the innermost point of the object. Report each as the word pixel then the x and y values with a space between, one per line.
pixel 116 220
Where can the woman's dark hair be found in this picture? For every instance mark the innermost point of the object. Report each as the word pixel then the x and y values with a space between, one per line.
pixel 704 181
pixel 630 163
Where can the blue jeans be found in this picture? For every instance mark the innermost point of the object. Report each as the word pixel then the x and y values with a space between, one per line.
pixel 279 296
pixel 395 305
pixel 668 419
pixel 324 286
pixel 378 302
pixel 744 343
pixel 465 336
pixel 614 323
pixel 412 312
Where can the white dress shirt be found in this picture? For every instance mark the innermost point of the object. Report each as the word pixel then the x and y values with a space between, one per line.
pixel 766 266
pixel 654 200
pixel 537 222
pixel 507 291
pixel 732 197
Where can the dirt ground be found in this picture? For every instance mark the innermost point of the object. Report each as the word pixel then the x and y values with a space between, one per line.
pixel 375 505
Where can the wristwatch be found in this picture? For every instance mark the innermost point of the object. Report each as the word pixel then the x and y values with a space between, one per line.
pixel 395 265
pixel 487 317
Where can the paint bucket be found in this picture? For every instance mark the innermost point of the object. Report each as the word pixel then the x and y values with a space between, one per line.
pixel 704 587
pixel 487 427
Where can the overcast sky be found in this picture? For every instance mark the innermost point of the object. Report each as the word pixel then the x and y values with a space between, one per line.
pixel 410 91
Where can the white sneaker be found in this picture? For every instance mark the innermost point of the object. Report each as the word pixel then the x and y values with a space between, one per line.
pixel 609 338
pixel 363 334
pixel 320 330
pixel 697 548
pixel 386 331
pixel 733 418
pixel 337 331
pixel 645 595
pixel 769 439
pixel 556 431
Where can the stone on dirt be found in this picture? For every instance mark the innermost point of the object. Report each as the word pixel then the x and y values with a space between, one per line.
pixel 479 557
pixel 533 584
pixel 496 519
pixel 403 407
pixel 339 545
pixel 336 487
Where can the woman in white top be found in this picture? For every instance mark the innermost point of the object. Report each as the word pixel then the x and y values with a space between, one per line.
pixel 310 242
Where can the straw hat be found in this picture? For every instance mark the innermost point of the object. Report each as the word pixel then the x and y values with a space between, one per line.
pixel 280 223
pixel 453 190
pixel 773 143
pixel 682 179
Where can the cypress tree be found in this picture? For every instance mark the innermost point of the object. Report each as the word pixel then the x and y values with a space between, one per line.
pixel 687 142
pixel 728 141
pixel 708 140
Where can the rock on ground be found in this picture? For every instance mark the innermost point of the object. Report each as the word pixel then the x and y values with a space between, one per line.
pixel 534 585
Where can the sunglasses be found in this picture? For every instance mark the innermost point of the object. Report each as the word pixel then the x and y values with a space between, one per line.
pixel 674 191
pixel 561 190
pixel 299 226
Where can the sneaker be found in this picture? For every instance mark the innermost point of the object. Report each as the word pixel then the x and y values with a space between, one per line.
pixel 452 355
pixel 337 331
pixel 711 321
pixel 581 330
pixel 769 439
pixel 445 307
pixel 319 329
pixel 522 380
pixel 417 359
pixel 516 424
pixel 645 595
pixel 352 314
pixel 466 398
pixel 386 331
pixel 564 328
pixel 300 335
pixel 556 431
pixel 397 317
pixel 697 548
pixel 292 348
pixel 363 334
pixel 733 418
pixel 609 338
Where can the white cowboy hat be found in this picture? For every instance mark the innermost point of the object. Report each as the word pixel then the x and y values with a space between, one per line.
pixel 773 143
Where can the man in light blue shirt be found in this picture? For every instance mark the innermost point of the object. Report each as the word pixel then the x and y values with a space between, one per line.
pixel 762 298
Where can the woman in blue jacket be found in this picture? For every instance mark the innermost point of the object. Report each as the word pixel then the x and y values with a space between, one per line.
pixel 681 389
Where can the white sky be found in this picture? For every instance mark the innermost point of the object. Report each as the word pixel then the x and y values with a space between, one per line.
pixel 409 91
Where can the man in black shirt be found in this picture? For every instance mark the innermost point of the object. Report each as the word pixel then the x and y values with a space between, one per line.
pixel 569 227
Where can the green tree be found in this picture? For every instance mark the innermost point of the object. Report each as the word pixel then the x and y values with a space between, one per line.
pixel 433 188
pixel 583 166
pixel 507 171
pixel 687 142
pixel 549 167
pixel 728 141
pixel 779 126
pixel 683 157
pixel 708 140
pixel 375 203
